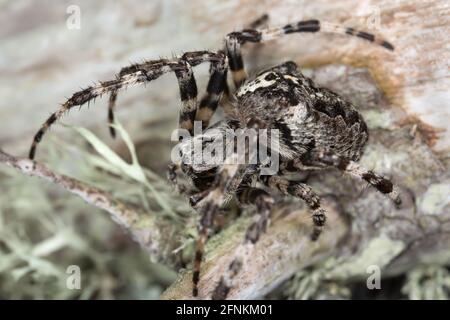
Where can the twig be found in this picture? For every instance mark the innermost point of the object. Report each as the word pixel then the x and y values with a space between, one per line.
pixel 122 214
pixel 151 232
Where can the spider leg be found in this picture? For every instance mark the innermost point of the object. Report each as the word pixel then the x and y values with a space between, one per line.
pixel 111 104
pixel 259 22
pixel 234 40
pixel 208 104
pixel 304 192
pixel 352 168
pixel 295 166
pixel 217 84
pixel 263 202
pixel 138 74
pixel 207 215
pixel 227 181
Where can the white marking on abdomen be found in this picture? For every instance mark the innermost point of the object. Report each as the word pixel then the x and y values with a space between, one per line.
pixel 259 82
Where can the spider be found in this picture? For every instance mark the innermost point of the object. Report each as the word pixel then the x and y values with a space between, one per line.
pixel 317 128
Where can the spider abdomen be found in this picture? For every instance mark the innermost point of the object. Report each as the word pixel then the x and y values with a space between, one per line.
pixel 308 117
pixel 319 131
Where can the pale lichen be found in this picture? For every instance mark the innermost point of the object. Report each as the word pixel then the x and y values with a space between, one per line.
pixel 428 283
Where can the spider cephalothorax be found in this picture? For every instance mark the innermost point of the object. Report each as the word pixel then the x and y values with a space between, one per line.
pixel 317 128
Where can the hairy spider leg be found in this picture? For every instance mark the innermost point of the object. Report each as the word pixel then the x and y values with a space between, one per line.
pixel 234 41
pixel 139 74
pixel 304 192
pixel 216 85
pixel 352 168
pixel 227 181
pixel 263 201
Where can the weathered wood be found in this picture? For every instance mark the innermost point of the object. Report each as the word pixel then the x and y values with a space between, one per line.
pixel 284 249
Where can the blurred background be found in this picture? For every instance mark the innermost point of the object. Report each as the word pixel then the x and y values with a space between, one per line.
pixel 49 49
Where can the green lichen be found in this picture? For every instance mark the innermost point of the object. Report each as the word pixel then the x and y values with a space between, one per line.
pixel 376 119
pixel 435 199
pixel 428 283
pixel 44 230
pixel 311 284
